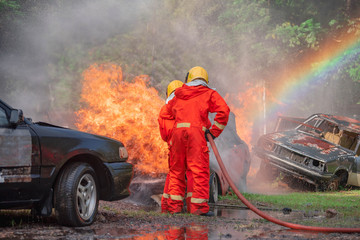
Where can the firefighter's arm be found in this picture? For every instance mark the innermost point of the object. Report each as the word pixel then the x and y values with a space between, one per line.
pixel 218 105
pixel 162 129
pixel 164 119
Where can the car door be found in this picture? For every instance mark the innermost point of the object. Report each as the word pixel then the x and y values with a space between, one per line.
pixel 19 160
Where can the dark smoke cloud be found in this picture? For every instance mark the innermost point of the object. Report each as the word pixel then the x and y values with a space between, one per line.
pixel 42 37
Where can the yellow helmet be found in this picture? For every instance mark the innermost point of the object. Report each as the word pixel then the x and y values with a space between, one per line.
pixel 196 73
pixel 172 86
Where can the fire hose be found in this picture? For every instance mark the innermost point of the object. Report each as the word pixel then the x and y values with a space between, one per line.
pixel 264 215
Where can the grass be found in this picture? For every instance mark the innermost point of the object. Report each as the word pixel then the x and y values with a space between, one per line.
pixel 14 218
pixel 345 202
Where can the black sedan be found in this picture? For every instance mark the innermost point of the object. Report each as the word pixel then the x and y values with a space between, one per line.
pixel 43 166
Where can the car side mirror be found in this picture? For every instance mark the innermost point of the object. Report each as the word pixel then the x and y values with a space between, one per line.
pixel 16 116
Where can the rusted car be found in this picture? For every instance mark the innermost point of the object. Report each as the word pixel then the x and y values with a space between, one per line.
pixel 236 158
pixel 323 150
pixel 43 166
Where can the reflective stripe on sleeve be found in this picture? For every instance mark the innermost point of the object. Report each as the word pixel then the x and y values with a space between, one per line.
pixel 219 125
pixel 165 195
pixel 198 200
pixel 176 197
pixel 189 194
pixel 180 125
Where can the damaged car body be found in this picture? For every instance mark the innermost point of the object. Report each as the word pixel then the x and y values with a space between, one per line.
pixel 236 158
pixel 45 167
pixel 323 151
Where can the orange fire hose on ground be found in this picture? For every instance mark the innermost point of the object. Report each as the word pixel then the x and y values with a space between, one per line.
pixel 264 215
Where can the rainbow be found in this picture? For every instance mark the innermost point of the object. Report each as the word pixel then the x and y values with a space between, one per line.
pixel 313 71
pixel 292 86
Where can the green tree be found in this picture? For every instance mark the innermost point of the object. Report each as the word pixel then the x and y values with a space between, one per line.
pixel 238 41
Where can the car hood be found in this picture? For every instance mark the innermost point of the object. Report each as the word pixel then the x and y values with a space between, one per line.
pixel 49 130
pixel 309 145
pixel 59 144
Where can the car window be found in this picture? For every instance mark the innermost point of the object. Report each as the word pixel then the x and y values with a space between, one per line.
pixel 331 132
pixel 312 125
pixel 4 122
pixel 327 126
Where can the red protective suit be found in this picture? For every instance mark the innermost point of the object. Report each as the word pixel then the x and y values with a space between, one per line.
pixel 189 151
pixel 166 124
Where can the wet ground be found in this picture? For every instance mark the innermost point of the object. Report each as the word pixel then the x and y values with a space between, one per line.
pixel 139 217
pixel 128 220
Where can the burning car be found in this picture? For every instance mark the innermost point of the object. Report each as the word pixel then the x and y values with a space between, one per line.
pixel 323 150
pixel 45 166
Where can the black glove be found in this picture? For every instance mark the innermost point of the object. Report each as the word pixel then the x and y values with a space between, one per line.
pixel 206 132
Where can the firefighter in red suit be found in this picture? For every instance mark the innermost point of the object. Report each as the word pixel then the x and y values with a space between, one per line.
pixel 166 126
pixel 189 151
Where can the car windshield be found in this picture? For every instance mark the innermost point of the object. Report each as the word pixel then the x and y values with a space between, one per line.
pixel 323 128
pixel 316 125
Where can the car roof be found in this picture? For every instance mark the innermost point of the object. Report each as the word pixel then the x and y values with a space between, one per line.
pixel 343 122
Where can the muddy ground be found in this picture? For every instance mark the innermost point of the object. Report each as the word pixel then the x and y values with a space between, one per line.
pixel 126 219
pixel 139 217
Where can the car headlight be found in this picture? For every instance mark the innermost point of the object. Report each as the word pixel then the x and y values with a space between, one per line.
pixel 267 145
pixel 123 152
pixel 315 164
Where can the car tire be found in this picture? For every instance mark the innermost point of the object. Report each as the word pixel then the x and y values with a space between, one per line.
pixel 333 184
pixel 337 181
pixel 76 196
pixel 214 188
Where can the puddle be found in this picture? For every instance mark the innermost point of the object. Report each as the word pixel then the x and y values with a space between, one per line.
pixel 205 232
pixel 245 224
pixel 232 213
pixel 190 231
pixel 230 223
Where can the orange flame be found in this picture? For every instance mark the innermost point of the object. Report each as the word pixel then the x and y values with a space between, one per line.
pixel 126 111
pixel 248 107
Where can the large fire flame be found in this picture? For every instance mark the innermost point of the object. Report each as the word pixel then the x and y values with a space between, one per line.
pixel 126 111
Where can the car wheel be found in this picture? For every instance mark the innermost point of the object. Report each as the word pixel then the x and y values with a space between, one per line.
pixel 337 181
pixel 333 184
pixel 76 195
pixel 214 188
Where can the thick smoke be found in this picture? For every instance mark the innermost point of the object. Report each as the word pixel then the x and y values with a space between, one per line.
pixel 39 40
pixel 94 22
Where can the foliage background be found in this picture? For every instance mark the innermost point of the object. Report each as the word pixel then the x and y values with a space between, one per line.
pixel 46 45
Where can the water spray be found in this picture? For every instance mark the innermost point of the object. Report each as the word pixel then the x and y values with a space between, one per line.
pixel 264 215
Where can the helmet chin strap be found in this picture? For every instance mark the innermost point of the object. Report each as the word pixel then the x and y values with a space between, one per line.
pixel 186 78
